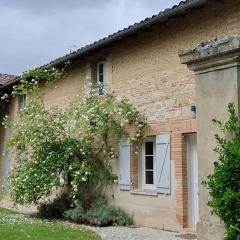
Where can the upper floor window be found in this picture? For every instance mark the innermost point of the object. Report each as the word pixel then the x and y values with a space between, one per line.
pixel 101 77
pixel 22 100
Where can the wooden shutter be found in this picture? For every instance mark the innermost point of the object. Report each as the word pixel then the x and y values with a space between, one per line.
pixel 6 163
pixel 163 164
pixel 125 161
pixel 7 156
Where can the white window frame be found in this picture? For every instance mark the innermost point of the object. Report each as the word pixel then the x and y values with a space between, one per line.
pixel 144 185
pixel 22 104
pixel 104 83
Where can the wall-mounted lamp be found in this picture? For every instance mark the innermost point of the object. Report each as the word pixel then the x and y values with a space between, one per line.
pixel 193 111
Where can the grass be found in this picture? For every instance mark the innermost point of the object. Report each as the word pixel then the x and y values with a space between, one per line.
pixel 14 226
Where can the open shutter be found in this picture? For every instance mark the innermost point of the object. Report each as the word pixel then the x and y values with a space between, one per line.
pixel 125 171
pixel 163 164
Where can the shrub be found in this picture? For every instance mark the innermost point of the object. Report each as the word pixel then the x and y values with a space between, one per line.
pixel 100 214
pixel 224 183
pixel 56 208
pixel 121 218
pixel 76 214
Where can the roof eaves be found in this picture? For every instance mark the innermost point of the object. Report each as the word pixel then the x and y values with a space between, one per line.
pixel 8 81
pixel 162 16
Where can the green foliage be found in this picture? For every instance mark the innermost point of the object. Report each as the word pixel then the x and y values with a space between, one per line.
pixel 32 80
pixel 55 209
pixel 77 214
pixel 224 183
pixel 121 218
pixel 99 214
pixel 77 144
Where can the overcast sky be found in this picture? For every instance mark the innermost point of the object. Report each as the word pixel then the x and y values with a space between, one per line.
pixel 33 32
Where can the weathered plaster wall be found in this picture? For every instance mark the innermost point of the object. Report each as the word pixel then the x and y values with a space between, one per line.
pixel 214 92
pixel 217 69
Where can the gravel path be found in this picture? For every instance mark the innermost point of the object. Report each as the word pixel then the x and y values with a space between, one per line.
pixel 141 233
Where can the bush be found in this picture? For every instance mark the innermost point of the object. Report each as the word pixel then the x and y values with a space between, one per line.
pixel 76 214
pixel 100 214
pixel 121 218
pixel 56 208
pixel 224 183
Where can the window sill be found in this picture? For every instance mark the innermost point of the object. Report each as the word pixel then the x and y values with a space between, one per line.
pixel 144 192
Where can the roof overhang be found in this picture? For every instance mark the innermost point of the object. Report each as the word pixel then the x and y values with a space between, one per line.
pixel 161 17
pixel 183 7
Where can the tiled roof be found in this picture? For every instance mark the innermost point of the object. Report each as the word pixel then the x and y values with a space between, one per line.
pixel 183 6
pixel 162 16
pixel 6 79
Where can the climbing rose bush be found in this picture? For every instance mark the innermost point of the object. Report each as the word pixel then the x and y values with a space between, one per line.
pixel 74 147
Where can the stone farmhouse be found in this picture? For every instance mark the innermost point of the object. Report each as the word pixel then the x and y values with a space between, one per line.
pixel 181 68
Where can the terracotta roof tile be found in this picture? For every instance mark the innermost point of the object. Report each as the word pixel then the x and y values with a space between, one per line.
pixel 162 16
pixel 6 79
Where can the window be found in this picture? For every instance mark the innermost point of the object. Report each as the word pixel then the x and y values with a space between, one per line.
pixel 22 99
pixel 149 163
pixel 101 76
pixel 156 164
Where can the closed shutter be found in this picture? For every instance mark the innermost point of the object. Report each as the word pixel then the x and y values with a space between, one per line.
pixel 7 163
pixel 125 162
pixel 7 156
pixel 163 164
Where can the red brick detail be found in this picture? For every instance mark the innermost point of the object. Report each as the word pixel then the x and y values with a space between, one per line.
pixel 134 166
pixel 179 156
pixel 178 130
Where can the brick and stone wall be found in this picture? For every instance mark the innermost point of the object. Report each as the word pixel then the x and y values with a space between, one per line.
pixel 147 70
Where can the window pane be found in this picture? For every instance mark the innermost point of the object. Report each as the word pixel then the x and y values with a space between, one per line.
pixel 21 102
pixel 149 177
pixel 100 68
pixel 149 148
pixel 149 162
pixel 100 78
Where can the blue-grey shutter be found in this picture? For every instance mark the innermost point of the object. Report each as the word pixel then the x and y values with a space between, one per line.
pixel 6 163
pixel 125 165
pixel 163 164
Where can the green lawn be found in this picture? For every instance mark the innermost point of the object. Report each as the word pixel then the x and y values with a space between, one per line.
pixel 14 226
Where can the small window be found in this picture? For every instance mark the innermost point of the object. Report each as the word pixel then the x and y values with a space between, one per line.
pixel 148 163
pixel 101 76
pixel 22 100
